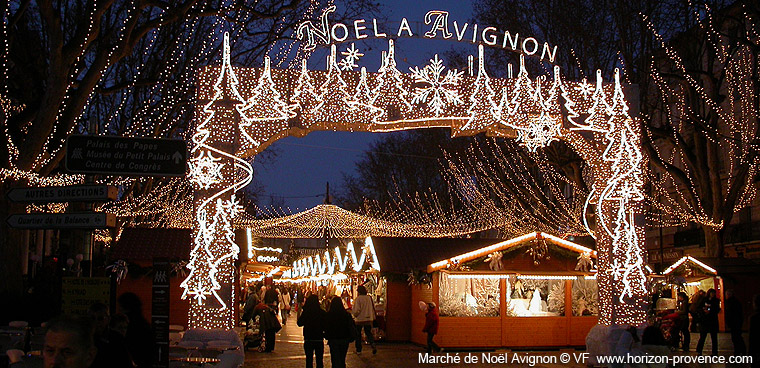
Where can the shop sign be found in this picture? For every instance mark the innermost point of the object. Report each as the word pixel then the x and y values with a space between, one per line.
pixel 667 255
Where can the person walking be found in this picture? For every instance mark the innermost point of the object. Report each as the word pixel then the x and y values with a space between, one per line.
pixel 709 323
pixel 695 309
pixel 683 320
pixel 364 314
pixel 300 298
pixel 340 330
pixel 267 312
pixel 312 319
pixel 283 298
pixel 140 341
pixel 754 332
pixel 734 322
pixel 250 303
pixel 431 326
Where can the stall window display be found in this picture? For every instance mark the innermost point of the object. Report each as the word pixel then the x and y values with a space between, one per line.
pixel 535 298
pixel 472 296
pixel 585 297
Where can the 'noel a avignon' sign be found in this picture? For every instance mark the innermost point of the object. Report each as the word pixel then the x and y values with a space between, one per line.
pixel 437 25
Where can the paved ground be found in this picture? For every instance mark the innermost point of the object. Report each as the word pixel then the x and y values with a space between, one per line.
pixel 288 353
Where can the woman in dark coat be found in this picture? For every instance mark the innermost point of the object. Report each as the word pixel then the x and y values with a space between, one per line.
pixel 267 312
pixel 683 320
pixel 339 331
pixel 313 321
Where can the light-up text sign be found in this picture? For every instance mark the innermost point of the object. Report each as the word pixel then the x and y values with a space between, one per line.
pixel 437 26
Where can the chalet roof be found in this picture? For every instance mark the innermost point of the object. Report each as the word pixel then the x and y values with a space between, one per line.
pixel 506 244
pixel 400 255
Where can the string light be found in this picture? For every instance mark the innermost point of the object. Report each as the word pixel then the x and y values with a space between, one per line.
pixel 527 110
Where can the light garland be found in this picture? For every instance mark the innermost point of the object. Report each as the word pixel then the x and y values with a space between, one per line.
pixel 500 246
pixel 528 110
pixel 333 261
pixel 691 259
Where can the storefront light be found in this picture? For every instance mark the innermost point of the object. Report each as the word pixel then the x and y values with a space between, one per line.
pixel 273 271
pixel 546 277
pixel 696 283
pixel 475 276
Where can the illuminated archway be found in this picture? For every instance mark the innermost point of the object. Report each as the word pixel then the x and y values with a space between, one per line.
pixel 243 110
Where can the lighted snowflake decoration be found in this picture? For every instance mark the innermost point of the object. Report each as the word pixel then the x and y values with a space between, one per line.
pixel 351 54
pixel 539 133
pixel 440 90
pixel 585 88
pixel 205 170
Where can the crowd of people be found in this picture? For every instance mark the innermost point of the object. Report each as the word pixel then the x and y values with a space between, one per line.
pixel 700 314
pixel 340 320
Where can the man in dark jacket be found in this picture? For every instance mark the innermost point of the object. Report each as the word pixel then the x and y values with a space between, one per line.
pixel 734 322
pixel 709 323
pixel 313 321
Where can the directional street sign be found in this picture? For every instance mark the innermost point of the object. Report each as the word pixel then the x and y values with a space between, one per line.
pixel 74 193
pixel 89 154
pixel 85 220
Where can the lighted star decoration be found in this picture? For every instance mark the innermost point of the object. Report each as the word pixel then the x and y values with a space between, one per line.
pixel 442 88
pixel 351 54
pixel 205 170
pixel 585 88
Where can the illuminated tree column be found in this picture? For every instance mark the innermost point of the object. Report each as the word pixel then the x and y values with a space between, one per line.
pixel 617 162
pixel 216 174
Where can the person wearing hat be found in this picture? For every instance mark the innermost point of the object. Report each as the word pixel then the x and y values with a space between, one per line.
pixel 431 325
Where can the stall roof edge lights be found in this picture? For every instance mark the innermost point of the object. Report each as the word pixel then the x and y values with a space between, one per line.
pixel 693 260
pixel 506 244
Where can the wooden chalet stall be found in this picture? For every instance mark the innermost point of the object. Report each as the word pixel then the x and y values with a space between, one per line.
pixel 139 247
pixel 536 290
pixel 397 258
pixel 690 275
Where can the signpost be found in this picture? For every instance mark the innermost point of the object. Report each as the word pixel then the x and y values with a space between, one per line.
pixel 74 193
pixel 79 293
pixel 87 220
pixel 160 310
pixel 91 154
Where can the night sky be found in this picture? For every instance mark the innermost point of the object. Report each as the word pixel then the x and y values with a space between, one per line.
pixel 298 175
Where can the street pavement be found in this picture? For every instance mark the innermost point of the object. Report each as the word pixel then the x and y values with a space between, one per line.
pixel 288 353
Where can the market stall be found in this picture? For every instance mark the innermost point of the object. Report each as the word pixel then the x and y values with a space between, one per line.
pixel 338 272
pixel 690 275
pixel 536 290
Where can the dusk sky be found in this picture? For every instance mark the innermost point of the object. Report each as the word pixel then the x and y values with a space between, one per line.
pixel 304 165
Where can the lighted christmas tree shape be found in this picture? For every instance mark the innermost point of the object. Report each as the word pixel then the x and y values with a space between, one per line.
pixel 199 283
pixel 599 112
pixel 391 94
pixel 333 108
pixel 304 97
pixel 629 268
pixel 361 107
pixel 483 111
pixel 265 114
pixel 524 104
